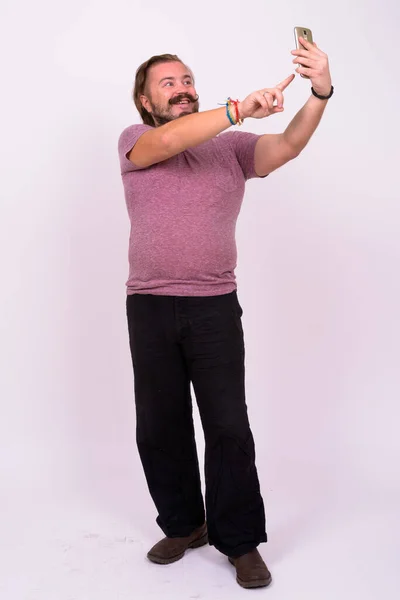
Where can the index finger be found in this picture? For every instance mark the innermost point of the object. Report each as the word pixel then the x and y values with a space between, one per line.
pixel 281 86
pixel 307 45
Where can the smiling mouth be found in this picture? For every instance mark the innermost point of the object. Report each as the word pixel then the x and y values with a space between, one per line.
pixel 183 103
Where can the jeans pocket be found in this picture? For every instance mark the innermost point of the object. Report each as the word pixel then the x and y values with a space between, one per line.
pixel 236 306
pixel 237 313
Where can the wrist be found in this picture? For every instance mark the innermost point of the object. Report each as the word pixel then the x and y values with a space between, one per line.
pixel 322 93
pixel 233 108
pixel 242 116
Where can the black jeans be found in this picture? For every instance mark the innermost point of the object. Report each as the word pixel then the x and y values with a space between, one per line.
pixel 175 340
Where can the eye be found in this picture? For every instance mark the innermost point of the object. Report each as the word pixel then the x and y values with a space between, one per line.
pixel 188 82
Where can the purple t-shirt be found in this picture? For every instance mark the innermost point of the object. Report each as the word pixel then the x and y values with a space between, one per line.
pixel 183 214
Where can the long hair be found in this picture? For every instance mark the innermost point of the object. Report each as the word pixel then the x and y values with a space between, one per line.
pixel 141 82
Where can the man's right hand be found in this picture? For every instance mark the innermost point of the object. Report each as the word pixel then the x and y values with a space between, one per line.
pixel 261 104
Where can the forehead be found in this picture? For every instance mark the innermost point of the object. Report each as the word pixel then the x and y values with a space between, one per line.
pixel 169 69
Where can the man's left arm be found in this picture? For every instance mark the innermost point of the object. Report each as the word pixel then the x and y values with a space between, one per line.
pixel 274 150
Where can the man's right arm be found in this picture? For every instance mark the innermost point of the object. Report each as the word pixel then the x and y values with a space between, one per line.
pixel 161 143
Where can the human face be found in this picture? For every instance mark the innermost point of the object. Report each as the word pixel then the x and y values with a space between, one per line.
pixel 170 84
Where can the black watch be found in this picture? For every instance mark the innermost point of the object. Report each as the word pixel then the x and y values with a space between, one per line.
pixel 323 97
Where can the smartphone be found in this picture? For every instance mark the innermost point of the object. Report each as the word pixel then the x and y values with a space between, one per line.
pixel 307 35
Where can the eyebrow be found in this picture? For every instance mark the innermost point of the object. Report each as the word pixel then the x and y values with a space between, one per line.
pixel 183 77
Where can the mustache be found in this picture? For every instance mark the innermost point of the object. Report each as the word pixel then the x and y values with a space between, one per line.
pixel 178 99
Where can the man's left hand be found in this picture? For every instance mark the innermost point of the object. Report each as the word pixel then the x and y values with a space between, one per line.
pixel 316 66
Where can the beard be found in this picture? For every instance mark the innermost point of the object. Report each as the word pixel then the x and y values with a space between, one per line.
pixel 163 115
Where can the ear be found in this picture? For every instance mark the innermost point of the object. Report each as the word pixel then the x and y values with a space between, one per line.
pixel 145 103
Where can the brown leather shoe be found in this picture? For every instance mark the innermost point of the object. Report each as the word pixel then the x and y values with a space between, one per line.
pixel 170 550
pixel 251 570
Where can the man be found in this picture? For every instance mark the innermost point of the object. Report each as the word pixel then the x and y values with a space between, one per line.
pixel 184 185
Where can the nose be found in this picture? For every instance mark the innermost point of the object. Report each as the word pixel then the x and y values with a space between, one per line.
pixel 181 91
pixel 183 88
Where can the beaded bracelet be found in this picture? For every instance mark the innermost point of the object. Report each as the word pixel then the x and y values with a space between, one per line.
pixel 234 119
pixel 239 121
pixel 228 113
pixel 236 105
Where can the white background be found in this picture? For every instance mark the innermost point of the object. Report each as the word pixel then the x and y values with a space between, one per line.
pixel 318 280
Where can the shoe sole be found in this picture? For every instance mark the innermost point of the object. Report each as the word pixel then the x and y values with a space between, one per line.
pixel 202 541
pixel 252 584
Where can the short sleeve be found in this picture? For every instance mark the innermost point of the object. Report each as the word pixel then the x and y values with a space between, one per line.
pixel 126 142
pixel 244 145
